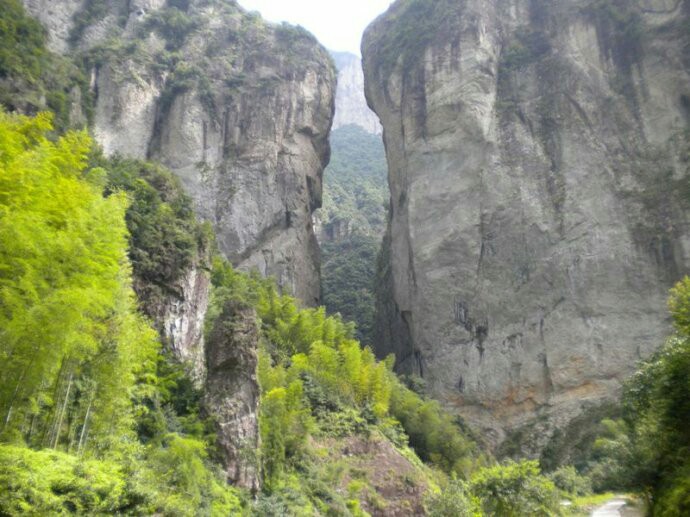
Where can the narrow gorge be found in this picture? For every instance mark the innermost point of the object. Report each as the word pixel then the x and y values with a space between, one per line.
pixel 242 274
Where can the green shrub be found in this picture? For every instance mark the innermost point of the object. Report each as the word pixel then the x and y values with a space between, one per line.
pixel 165 237
pixel 455 500
pixel 433 433
pixel 571 481
pixel 50 482
pixel 673 497
pixel 174 25
pixel 515 490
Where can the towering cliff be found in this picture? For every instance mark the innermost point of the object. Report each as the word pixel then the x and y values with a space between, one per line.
pixel 538 162
pixel 238 109
pixel 350 104
pixel 240 112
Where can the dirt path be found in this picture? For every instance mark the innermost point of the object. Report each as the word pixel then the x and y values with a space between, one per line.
pixel 610 509
pixel 617 507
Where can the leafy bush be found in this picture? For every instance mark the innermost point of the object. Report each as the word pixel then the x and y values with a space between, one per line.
pixel 571 481
pixel 51 482
pixel 433 433
pixel 515 490
pixel 173 480
pixel 165 237
pixel 612 457
pixel 455 500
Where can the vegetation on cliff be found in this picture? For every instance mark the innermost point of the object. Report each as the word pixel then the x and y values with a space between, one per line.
pixel 110 424
pixel 31 77
pixel 90 406
pixel 647 450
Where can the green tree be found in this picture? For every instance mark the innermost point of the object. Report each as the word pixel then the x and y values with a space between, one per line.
pixel 515 490
pixel 648 450
pixel 67 311
pixel 455 500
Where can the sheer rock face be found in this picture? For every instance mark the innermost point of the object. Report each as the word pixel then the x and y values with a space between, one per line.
pixel 350 104
pixel 233 392
pixel 180 313
pixel 538 163
pixel 239 109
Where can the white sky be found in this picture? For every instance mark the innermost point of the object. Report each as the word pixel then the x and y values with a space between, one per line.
pixel 338 25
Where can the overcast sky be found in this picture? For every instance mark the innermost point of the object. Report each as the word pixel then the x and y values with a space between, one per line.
pixel 336 24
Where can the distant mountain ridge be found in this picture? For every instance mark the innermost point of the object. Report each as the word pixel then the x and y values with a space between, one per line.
pixel 351 105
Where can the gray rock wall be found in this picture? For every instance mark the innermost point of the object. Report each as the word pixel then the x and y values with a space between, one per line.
pixel 350 104
pixel 239 109
pixel 538 163
pixel 233 392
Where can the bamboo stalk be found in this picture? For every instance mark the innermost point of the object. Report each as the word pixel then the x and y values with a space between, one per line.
pixel 62 413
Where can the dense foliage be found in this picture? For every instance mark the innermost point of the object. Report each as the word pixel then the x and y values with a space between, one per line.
pixel 355 184
pixel 508 490
pixel 515 490
pixel 317 381
pixel 68 324
pixel 353 219
pixel 347 276
pixel 165 237
pixel 82 376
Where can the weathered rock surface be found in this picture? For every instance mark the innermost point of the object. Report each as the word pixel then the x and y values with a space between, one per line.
pixel 538 163
pixel 180 314
pixel 232 392
pixel 239 109
pixel 350 103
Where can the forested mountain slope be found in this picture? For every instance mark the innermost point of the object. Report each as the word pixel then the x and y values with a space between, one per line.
pixel 350 225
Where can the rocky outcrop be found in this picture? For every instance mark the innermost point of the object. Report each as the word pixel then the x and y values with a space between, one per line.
pixel 180 314
pixel 350 104
pixel 239 109
pixel 538 154
pixel 232 392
